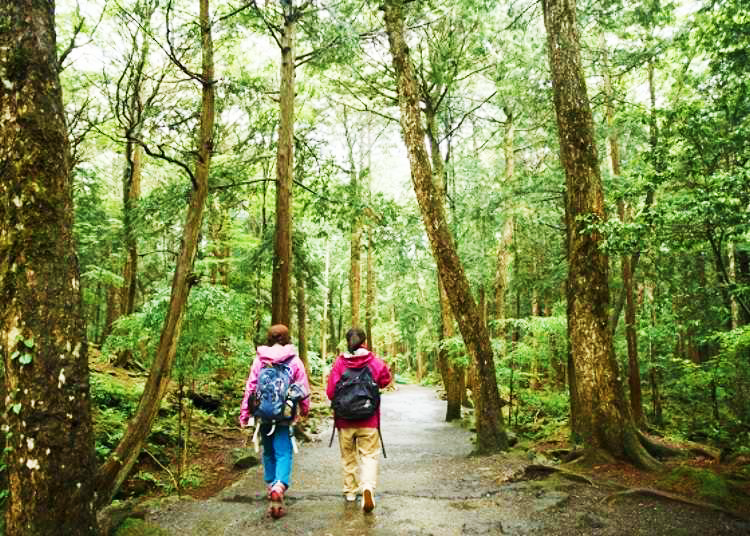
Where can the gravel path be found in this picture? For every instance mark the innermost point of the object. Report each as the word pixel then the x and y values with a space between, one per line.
pixel 429 485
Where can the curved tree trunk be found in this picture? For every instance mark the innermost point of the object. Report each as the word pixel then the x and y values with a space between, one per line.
pixel 602 418
pixel 491 434
pixel 49 457
pixel 282 261
pixel 114 471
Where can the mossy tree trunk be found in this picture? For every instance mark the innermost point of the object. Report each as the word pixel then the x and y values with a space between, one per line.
pixel 602 416
pixel 491 434
pixel 50 459
pixel 114 471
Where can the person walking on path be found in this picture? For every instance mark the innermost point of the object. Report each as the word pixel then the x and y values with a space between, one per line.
pixel 277 380
pixel 357 376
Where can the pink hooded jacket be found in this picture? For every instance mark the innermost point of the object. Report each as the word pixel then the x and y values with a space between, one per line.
pixel 268 355
pixel 380 373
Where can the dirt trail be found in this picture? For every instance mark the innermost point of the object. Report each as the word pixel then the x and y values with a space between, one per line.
pixel 430 486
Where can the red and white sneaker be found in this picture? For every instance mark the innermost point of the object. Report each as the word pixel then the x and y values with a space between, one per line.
pixel 276 496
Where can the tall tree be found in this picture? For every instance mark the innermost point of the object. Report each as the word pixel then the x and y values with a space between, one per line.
pixel 626 264
pixel 281 282
pixel 602 417
pixel 114 471
pixel 131 104
pixel 491 434
pixel 49 438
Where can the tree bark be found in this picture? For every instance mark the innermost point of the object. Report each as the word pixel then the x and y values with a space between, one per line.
pixel 626 264
pixel 302 325
pixel 603 418
pixel 491 434
pixel 355 277
pixel 114 471
pixel 454 376
pixel 49 456
pixel 280 284
pixel 370 297
pixel 504 254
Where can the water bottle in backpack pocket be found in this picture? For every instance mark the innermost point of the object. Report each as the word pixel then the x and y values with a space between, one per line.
pixel 356 395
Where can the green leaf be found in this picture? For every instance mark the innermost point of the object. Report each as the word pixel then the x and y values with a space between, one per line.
pixel 16 408
pixel 15 354
pixel 26 359
pixel 29 342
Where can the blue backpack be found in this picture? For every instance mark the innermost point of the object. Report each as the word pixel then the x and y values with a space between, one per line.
pixel 276 398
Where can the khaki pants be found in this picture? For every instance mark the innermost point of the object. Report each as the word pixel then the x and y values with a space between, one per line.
pixel 360 449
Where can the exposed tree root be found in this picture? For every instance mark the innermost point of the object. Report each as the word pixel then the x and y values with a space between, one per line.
pixel 650 492
pixel 658 449
pixel 547 469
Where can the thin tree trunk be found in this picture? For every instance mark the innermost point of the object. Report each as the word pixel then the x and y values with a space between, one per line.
pixel 114 471
pixel 323 320
pixel 631 336
pixel 49 439
pixel 302 325
pixel 732 268
pixel 603 418
pixel 491 434
pixel 504 254
pixel 355 277
pixel 280 284
pixel 370 298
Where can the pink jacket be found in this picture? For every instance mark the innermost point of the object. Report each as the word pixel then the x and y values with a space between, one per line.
pixel 267 355
pixel 380 373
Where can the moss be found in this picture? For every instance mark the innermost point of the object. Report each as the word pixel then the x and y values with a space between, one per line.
pixel 138 527
pixel 706 484
pixel 17 67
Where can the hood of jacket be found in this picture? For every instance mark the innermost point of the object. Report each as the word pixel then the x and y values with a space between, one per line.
pixel 359 358
pixel 277 353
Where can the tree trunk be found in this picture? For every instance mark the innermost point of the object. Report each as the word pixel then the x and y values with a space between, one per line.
pixel 454 376
pixel 732 272
pixel 280 284
pixel 491 434
pixel 113 309
pixel 626 264
pixel 218 228
pixel 370 298
pixel 49 438
pixel 114 471
pixel 302 325
pixel 504 254
pixel 131 195
pixel 324 319
pixel 603 418
pixel 355 278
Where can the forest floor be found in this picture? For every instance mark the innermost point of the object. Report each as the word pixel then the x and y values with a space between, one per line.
pixel 431 485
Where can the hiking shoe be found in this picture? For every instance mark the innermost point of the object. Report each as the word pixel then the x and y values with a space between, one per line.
pixel 276 493
pixel 350 497
pixel 276 496
pixel 368 501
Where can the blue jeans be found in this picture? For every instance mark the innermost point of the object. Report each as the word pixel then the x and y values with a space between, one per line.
pixel 277 454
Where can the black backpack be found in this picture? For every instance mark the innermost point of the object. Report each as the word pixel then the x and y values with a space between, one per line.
pixel 356 395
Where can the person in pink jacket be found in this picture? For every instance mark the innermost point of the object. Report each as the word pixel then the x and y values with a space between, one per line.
pixel 359 440
pixel 276 438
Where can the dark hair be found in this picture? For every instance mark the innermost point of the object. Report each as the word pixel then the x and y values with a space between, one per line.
pixel 278 334
pixel 355 338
